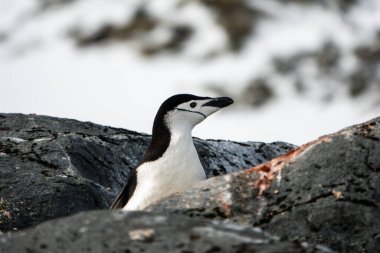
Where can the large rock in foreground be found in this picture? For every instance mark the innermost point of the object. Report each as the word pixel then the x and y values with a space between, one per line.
pixel 105 231
pixel 327 191
pixel 52 167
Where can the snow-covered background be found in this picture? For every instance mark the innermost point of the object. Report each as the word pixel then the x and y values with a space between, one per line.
pixel 296 69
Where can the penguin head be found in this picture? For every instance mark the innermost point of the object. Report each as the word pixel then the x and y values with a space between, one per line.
pixel 177 116
pixel 186 111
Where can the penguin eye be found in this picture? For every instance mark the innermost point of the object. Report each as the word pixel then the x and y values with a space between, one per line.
pixel 193 104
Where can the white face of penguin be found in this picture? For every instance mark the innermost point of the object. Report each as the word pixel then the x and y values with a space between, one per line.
pixel 187 115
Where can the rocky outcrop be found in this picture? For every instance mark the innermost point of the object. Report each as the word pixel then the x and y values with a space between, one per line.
pixel 323 193
pixel 326 191
pixel 105 231
pixel 53 167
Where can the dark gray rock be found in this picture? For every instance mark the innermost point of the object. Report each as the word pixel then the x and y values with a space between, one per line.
pixel 326 192
pixel 105 231
pixel 51 167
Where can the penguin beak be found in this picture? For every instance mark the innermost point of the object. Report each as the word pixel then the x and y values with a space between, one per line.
pixel 220 102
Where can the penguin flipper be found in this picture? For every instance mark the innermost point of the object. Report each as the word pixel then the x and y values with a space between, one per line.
pixel 127 191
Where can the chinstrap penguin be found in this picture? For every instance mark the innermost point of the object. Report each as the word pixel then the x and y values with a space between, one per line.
pixel 171 163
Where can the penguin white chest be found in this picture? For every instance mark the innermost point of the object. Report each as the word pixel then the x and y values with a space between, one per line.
pixel 177 170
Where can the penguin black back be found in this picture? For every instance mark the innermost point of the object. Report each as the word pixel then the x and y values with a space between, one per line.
pixel 127 191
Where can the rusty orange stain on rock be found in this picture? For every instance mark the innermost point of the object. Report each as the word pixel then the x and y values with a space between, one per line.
pixel 272 169
pixel 226 209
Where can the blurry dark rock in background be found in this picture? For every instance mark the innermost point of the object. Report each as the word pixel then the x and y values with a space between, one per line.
pixel 257 93
pixel 141 23
pixel 237 18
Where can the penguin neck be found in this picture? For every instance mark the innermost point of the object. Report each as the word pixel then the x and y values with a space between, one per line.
pixel 181 146
pixel 179 135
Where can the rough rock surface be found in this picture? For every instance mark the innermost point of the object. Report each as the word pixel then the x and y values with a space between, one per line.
pixel 51 167
pixel 326 192
pixel 105 231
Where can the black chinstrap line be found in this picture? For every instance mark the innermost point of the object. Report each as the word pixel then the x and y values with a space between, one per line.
pixel 180 109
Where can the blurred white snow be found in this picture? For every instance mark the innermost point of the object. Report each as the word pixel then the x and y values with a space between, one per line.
pixel 42 71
